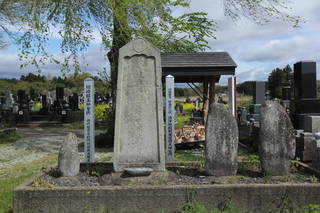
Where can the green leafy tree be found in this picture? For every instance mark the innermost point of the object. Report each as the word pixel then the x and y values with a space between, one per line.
pixel 245 88
pixel 119 21
pixel 279 78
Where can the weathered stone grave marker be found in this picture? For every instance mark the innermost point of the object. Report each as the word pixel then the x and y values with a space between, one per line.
pixel 139 132
pixel 221 142
pixel 170 116
pixel 68 161
pixel 276 139
pixel 89 148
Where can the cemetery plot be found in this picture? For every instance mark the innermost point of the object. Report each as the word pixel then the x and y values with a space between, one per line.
pixel 184 171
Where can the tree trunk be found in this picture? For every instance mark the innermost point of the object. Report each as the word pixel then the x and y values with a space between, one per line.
pixel 121 36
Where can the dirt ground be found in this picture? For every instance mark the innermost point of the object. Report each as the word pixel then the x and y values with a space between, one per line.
pixel 39 142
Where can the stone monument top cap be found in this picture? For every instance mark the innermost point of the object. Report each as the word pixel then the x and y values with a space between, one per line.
pixel 138 45
pixel 88 79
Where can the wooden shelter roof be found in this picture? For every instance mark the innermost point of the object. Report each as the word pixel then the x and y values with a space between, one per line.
pixel 194 67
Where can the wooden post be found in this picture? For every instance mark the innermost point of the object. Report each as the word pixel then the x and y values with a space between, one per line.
pixel 212 86
pixel 205 99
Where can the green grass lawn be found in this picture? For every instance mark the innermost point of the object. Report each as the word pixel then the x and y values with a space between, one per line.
pixel 9 137
pixel 14 176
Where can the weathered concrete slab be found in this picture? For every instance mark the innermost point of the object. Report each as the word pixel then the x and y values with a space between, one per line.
pixel 221 142
pixel 276 139
pixel 139 133
pixel 251 197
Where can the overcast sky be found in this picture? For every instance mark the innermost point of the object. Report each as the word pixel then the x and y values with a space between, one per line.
pixel 256 49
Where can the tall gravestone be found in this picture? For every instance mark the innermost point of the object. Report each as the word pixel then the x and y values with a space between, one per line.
pixel 305 80
pixel 259 92
pixel 276 140
pixel 139 132
pixel 221 142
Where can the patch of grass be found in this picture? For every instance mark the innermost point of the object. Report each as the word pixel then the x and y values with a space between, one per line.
pixel 104 159
pixel 134 184
pixel 9 137
pixel 244 101
pixel 187 156
pixel 14 176
pixel 74 125
pixel 314 179
pixel 194 206
pixel 80 125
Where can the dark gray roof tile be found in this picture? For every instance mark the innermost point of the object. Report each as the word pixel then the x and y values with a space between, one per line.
pixel 202 59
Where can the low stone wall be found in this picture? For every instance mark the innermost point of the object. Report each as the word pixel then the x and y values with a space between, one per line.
pixel 253 197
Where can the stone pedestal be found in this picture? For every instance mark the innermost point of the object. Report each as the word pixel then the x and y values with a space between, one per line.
pixel 139 132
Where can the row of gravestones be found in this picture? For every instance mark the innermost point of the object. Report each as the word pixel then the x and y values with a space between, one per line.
pixel 276 141
pixel 139 137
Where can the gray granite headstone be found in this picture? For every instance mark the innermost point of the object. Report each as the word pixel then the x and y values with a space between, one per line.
pixel 139 129
pixel 276 139
pixel 68 160
pixel 221 142
pixel 304 146
pixel 259 94
pixel 316 151
pixel 312 124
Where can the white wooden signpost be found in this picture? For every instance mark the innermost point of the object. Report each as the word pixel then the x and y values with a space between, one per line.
pixel 170 118
pixel 232 91
pixel 89 133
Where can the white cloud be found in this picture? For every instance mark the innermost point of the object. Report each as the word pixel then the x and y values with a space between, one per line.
pixel 257 49
pixel 93 62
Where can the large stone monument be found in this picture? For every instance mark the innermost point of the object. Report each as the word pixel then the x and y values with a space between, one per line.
pixel 277 141
pixel 221 142
pixel 139 132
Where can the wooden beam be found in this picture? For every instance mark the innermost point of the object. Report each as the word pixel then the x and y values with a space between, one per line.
pixel 212 82
pixel 205 99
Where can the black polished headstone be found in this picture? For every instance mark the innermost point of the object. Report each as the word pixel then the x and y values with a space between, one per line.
pixel 286 93
pixel 305 80
pixel 259 92
pixel 74 102
pixel 59 92
pixel 44 101
pixel 21 96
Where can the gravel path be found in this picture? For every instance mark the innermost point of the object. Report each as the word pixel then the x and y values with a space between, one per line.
pixel 37 143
